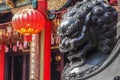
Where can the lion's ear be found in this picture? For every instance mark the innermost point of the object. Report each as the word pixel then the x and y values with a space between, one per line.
pixel 87 19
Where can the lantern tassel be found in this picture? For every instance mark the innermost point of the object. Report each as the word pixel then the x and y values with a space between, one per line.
pixel 28 38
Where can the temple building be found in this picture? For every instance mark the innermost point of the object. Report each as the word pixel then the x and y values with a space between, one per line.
pixel 29 43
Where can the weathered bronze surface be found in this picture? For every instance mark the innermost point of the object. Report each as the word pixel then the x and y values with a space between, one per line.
pixel 88 36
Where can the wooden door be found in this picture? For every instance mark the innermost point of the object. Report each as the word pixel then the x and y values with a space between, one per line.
pixel 17 67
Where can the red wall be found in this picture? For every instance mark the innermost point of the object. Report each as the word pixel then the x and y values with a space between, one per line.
pixel 2 55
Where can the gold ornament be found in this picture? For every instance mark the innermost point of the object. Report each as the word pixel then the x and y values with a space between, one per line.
pixel 56 4
pixel 58 58
pixel 10 3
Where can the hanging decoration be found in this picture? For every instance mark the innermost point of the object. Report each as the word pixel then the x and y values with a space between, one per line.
pixel 6 49
pixel 13 40
pixel 15 48
pixel 34 58
pixel 1 33
pixel 58 57
pixel 54 38
pixel 8 35
pixel 28 21
pixel 20 47
pixel 114 2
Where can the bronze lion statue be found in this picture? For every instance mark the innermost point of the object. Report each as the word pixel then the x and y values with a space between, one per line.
pixel 88 36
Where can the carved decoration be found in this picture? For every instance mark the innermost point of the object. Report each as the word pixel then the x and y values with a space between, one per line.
pixel 56 4
pixel 13 3
pixel 87 32
pixel 14 10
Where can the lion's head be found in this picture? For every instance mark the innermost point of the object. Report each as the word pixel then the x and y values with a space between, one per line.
pixel 88 34
pixel 87 26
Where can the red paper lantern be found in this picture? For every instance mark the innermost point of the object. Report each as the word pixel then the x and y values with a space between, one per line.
pixel 28 21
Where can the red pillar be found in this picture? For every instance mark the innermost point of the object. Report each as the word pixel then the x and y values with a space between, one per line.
pixel 42 8
pixel 47 51
pixel 2 55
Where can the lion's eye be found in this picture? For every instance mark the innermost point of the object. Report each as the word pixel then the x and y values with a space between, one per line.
pixel 98 11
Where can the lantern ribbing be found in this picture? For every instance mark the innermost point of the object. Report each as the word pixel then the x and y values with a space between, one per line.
pixel 28 21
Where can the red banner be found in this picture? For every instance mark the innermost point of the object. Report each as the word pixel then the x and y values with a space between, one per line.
pixel 2 55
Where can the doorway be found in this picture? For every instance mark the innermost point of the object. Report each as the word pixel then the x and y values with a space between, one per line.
pixel 17 66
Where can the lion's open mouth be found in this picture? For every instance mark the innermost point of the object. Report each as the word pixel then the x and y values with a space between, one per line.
pixel 78 52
